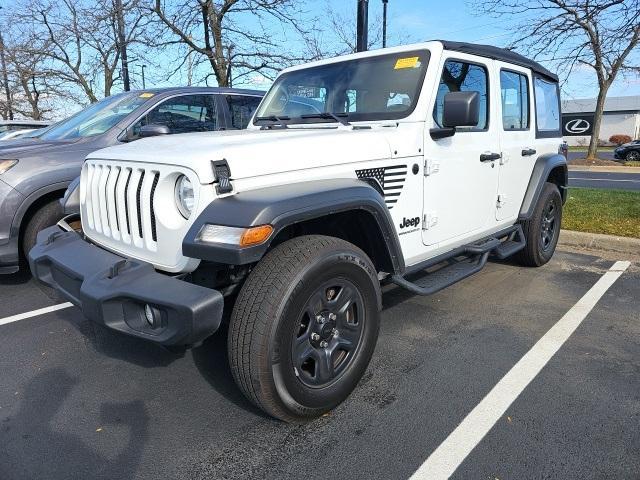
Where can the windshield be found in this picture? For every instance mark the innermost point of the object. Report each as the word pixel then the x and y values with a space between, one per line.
pixel 96 118
pixel 384 87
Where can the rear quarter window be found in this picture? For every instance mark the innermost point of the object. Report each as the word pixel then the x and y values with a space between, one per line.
pixel 547 107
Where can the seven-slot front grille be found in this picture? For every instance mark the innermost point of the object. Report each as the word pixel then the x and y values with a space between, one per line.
pixel 119 203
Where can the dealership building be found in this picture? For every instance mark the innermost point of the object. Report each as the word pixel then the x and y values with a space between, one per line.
pixel 621 117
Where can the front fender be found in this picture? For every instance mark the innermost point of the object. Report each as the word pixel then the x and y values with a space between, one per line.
pixel 284 205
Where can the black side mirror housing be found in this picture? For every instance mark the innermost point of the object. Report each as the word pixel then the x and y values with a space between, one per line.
pixel 460 109
pixel 153 130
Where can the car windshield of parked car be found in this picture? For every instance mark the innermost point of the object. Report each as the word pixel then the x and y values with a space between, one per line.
pixel 384 87
pixel 97 118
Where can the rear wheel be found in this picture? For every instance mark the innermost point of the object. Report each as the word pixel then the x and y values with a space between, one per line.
pixel 304 327
pixel 47 215
pixel 542 230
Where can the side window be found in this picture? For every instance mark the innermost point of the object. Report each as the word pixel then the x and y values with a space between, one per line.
pixel 514 92
pixel 547 105
pixel 241 109
pixel 460 76
pixel 183 114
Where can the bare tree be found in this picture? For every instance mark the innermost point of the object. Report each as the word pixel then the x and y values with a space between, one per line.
pixel 231 35
pixel 600 34
pixel 83 39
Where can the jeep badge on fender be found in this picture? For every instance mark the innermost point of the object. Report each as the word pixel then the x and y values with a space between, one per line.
pixel 410 222
pixel 286 228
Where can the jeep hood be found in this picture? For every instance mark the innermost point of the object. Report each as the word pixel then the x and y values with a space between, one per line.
pixel 252 153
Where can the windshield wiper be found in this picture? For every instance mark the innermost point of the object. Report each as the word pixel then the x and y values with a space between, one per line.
pixel 329 115
pixel 277 119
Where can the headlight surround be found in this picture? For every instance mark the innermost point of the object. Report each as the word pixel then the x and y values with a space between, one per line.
pixel 185 197
pixel 6 165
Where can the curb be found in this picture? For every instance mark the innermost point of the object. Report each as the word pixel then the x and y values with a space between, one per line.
pixel 604 169
pixel 597 241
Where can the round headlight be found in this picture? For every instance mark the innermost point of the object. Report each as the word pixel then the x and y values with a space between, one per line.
pixel 184 196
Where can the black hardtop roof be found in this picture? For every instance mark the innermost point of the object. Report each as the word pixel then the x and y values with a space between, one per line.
pixel 498 53
pixel 174 90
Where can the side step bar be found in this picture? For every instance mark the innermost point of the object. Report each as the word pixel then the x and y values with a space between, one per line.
pixel 475 258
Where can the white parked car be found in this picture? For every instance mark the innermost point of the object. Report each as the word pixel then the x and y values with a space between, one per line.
pixel 357 170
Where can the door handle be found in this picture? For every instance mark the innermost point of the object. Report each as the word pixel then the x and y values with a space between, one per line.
pixel 528 152
pixel 489 157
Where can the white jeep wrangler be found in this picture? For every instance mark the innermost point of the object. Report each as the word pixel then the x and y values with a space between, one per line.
pixel 358 170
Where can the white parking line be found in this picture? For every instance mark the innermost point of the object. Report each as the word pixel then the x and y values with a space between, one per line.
pixel 35 313
pixel 458 445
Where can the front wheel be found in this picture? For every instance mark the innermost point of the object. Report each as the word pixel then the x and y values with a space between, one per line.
pixel 633 156
pixel 542 230
pixel 304 327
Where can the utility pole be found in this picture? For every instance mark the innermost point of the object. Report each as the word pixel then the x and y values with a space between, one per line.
pixel 144 85
pixel 122 44
pixel 384 23
pixel 363 26
pixel 5 77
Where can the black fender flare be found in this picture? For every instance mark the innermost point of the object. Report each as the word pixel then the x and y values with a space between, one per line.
pixel 542 170
pixel 283 205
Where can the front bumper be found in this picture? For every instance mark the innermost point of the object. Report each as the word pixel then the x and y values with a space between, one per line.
pixel 114 291
pixel 619 153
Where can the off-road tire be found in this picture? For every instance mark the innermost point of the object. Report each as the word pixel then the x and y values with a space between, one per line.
pixel 535 254
pixel 265 317
pixel 47 215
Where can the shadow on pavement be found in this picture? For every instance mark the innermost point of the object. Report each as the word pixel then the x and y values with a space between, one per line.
pixel 212 361
pixel 33 447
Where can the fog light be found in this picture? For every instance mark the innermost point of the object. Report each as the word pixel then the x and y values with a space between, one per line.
pixel 149 314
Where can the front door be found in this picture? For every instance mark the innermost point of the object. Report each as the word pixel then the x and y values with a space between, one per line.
pixel 461 174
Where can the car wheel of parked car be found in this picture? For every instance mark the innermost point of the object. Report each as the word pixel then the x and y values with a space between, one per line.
pixel 47 215
pixel 304 327
pixel 633 156
pixel 542 230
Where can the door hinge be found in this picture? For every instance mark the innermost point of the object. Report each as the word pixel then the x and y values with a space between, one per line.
pixel 504 158
pixel 429 220
pixel 431 167
pixel 502 200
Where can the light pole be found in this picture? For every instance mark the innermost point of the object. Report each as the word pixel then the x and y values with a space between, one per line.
pixel 144 85
pixel 122 44
pixel 5 76
pixel 384 23
pixel 362 26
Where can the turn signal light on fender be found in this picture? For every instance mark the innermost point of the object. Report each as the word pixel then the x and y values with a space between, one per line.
pixel 255 235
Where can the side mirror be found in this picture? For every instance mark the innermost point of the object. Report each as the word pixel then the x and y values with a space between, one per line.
pixel 460 109
pixel 153 130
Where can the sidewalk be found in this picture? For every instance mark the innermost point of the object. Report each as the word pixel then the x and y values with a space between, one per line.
pixel 607 169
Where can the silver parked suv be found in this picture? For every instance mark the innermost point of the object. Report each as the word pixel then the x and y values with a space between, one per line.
pixel 35 172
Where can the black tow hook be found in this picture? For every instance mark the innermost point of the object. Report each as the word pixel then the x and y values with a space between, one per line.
pixel 116 268
pixel 52 237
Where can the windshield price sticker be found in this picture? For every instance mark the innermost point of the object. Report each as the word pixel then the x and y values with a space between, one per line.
pixel 409 62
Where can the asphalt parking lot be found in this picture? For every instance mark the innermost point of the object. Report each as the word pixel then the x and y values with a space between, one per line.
pixel 81 402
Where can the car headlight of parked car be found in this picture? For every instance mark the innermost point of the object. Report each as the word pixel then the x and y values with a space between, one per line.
pixel 6 165
pixel 185 197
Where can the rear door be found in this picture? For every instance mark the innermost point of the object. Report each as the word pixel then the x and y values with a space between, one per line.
pixel 517 138
pixel 460 182
pixel 240 109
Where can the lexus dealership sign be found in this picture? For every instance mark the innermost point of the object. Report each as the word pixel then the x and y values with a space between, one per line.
pixel 577 124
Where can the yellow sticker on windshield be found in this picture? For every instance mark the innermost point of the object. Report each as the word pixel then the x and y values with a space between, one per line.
pixel 146 95
pixel 409 62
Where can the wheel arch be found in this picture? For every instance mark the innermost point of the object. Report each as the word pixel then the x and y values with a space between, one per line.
pixel 31 204
pixel 548 168
pixel 344 208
